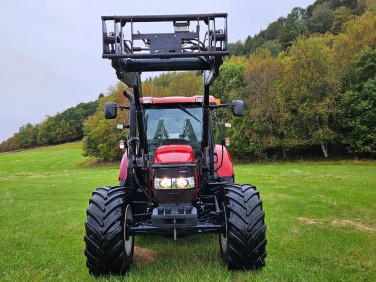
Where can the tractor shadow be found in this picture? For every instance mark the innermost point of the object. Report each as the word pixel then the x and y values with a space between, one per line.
pixel 202 248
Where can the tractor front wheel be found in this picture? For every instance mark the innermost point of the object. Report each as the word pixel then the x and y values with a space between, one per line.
pixel 243 244
pixel 109 249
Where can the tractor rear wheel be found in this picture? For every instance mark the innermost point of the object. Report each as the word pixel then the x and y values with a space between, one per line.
pixel 109 250
pixel 243 245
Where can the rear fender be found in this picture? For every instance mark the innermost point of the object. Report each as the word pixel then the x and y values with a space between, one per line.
pixel 225 164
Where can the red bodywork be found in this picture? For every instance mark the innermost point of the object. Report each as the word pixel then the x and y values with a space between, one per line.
pixel 163 155
pixel 184 154
pixel 123 166
pixel 174 154
pixel 225 166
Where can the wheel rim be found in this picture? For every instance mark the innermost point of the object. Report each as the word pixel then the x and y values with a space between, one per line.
pixel 128 243
pixel 224 236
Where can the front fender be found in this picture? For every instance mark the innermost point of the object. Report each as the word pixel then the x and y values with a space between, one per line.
pixel 225 163
pixel 123 167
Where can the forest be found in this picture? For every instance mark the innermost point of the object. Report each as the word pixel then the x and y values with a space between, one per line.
pixel 308 80
pixel 61 128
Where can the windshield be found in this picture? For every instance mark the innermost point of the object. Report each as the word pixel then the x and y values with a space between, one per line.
pixel 174 123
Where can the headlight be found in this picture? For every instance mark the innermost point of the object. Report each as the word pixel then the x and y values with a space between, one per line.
pixel 164 183
pixel 182 182
pixel 188 182
pixel 173 183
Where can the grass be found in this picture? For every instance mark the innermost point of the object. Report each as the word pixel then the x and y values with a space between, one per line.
pixel 320 217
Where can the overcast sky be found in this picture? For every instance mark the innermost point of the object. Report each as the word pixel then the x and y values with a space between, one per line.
pixel 50 51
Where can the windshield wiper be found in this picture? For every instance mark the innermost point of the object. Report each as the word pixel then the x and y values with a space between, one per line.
pixel 185 110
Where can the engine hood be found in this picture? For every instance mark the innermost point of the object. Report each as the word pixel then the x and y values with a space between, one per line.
pixel 172 154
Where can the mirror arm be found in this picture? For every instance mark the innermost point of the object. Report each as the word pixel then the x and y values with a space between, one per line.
pixel 219 106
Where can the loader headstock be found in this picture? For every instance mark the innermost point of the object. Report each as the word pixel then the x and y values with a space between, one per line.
pixel 191 42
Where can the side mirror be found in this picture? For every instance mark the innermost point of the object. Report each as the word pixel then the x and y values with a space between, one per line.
pixel 110 110
pixel 237 108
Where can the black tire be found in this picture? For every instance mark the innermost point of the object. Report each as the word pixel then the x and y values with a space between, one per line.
pixel 108 249
pixel 243 245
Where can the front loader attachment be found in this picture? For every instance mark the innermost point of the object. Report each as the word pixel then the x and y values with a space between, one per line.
pixel 197 42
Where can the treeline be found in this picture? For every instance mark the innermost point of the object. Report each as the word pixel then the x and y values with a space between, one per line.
pixel 316 97
pixel 60 128
pixel 319 18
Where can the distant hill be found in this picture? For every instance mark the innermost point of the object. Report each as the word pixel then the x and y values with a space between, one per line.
pixel 60 128
pixel 319 18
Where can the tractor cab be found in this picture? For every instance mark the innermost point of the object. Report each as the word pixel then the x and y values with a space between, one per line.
pixel 173 121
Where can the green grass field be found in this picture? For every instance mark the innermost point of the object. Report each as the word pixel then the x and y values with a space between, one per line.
pixel 321 219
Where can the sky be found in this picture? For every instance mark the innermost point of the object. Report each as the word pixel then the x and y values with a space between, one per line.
pixel 51 52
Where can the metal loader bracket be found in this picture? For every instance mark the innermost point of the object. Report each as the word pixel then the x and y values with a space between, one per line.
pixel 196 43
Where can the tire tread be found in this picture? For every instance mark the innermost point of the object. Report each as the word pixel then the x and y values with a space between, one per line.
pixel 104 241
pixel 246 238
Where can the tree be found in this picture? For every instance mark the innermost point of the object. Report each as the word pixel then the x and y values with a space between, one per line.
pixel 100 135
pixel 12 144
pixel 352 4
pixel 273 30
pixel 28 135
pixel 231 78
pixel 260 93
pixel 66 126
pixel 358 34
pixel 340 17
pixel 308 94
pixel 65 132
pixel 274 46
pixel 321 20
pixel 236 49
pixel 186 83
pixel 46 132
pixel 359 104
pixel 248 46
pixel 257 42
pixel 293 26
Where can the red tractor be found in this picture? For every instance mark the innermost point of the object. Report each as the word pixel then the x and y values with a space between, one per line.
pixel 173 180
